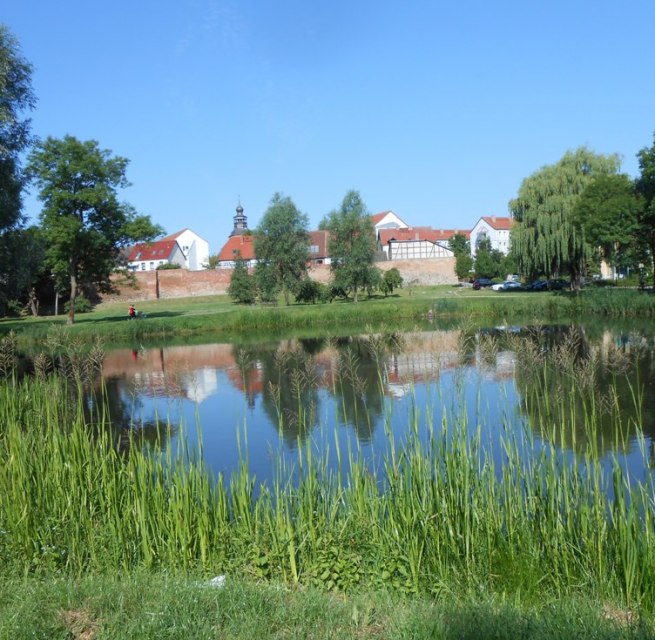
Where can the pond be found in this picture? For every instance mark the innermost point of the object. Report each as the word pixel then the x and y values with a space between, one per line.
pixel 359 396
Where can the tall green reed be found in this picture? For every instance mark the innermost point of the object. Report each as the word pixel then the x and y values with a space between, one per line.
pixel 438 514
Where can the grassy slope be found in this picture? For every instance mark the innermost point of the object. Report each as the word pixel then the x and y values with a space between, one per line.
pixel 162 606
pixel 170 318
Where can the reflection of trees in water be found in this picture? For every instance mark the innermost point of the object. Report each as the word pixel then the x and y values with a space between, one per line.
pixel 289 375
pixel 582 395
pixel 106 406
pixel 289 379
pixel 359 381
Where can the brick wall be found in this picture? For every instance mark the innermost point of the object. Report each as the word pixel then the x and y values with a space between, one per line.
pixel 180 283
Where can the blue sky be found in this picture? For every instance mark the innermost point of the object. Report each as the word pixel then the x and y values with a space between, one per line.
pixel 437 110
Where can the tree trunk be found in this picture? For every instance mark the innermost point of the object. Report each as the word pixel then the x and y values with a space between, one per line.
pixel 71 309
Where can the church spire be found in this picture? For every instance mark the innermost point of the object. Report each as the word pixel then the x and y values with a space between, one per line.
pixel 240 222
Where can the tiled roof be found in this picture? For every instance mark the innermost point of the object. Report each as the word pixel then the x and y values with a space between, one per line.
pixel 419 233
pixel 158 250
pixel 500 223
pixel 241 243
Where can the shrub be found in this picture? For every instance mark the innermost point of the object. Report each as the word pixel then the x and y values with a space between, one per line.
pixel 82 305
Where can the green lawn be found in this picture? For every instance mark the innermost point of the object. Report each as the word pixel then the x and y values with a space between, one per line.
pixel 161 606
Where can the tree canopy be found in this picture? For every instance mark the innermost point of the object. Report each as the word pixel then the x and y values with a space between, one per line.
pixel 545 238
pixel 281 247
pixel 16 97
pixel 606 212
pixel 351 244
pixel 645 184
pixel 83 222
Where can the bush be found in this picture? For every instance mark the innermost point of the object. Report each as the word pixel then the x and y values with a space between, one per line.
pixel 168 265
pixel 82 305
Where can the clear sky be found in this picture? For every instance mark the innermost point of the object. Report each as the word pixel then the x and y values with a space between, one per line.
pixel 436 110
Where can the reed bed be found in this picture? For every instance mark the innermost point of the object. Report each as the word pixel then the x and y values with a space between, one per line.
pixel 436 516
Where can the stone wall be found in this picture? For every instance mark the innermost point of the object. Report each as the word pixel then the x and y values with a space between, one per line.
pixel 180 283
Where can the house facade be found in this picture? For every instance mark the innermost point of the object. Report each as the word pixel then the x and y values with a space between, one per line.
pixel 388 220
pixel 194 248
pixel 147 256
pixel 413 243
pixel 494 228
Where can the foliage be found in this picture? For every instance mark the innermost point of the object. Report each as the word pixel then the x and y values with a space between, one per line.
pixel 310 291
pixel 83 222
pixel 212 262
pixel 458 244
pixel 168 266
pixel 82 305
pixel 390 281
pixel 242 287
pixel 16 97
pixel 351 245
pixel 645 185
pixel 488 262
pixel 281 247
pixel 25 279
pixel 544 236
pixel 607 212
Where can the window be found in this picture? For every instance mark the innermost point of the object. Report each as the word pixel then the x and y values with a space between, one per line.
pixel 152 266
pixel 313 248
pixel 143 266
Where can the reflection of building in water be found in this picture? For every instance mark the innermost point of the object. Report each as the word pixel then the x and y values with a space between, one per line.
pixel 201 384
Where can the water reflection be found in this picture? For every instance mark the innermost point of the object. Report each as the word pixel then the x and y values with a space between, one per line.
pixel 545 379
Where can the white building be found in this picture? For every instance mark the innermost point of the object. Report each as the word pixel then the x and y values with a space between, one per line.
pixel 194 248
pixel 496 229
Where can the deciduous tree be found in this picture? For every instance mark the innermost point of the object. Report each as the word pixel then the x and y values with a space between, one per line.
pixel 16 97
pixel 282 247
pixel 607 212
pixel 351 244
pixel 84 223
pixel 242 287
pixel 646 188
pixel 545 238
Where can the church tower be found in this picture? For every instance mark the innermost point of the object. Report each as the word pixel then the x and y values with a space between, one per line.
pixel 240 222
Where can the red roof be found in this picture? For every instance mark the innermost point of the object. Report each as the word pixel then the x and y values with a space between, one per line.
pixel 378 217
pixel 240 243
pixel 158 250
pixel 418 233
pixel 500 223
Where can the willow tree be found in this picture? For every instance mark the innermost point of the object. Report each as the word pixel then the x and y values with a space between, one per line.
pixel 545 236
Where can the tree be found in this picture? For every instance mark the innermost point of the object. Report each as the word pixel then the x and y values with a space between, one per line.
pixel 607 212
pixel 488 261
pixel 25 279
pixel 351 244
pixel 16 97
pixel 282 247
pixel 391 280
pixel 242 287
pixel 83 221
pixel 645 184
pixel 461 247
pixel 544 236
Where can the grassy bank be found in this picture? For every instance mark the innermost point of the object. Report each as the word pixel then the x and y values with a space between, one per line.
pixel 160 606
pixel 216 315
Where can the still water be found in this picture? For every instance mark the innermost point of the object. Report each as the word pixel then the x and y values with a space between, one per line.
pixel 263 402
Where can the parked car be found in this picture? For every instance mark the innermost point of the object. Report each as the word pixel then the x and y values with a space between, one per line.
pixel 479 283
pixel 508 285
pixel 538 285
